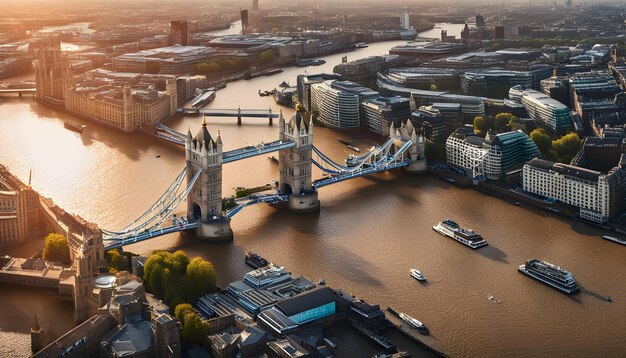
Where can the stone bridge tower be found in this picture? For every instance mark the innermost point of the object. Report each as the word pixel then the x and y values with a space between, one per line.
pixel 416 152
pixel 295 164
pixel 204 202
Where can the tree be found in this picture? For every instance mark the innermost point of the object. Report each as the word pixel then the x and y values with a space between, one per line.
pixel 542 140
pixel 194 329
pixel 502 120
pixel 479 124
pixel 56 248
pixel 207 68
pixel 566 147
pixel 516 124
pixel 181 310
pixel 266 56
pixel 200 278
pixel 433 87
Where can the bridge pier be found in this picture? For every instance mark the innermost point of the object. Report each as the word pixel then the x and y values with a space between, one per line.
pixel 271 120
pixel 239 116
pixel 295 165
pixel 204 201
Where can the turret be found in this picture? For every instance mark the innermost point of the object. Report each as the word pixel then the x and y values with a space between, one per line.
pixel 392 130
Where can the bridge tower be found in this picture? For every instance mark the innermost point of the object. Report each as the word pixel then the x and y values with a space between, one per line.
pixel 295 164
pixel 204 202
pixel 416 152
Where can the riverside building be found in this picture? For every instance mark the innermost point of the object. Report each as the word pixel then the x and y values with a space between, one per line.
pixel 598 196
pixel 19 209
pixel 380 112
pixel 490 157
pixel 338 103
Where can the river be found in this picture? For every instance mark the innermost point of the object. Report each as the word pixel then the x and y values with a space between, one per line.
pixel 368 234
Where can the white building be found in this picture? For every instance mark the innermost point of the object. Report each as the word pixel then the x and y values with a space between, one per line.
pixel 490 157
pixel 587 189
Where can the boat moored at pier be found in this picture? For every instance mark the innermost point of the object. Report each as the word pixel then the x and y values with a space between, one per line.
pixel 415 324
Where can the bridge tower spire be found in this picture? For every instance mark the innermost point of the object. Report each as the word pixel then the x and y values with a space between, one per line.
pixel 204 202
pixel 295 164
pixel 416 151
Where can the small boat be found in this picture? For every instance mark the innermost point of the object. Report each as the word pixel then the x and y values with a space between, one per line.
pixel 354 148
pixel 416 274
pixel 255 261
pixel 614 239
pixel 273 159
pixel 490 298
pixel 74 126
pixel 360 45
pixel 609 299
pixel 321 282
pixel 352 161
pixel 304 62
pixel 419 326
pixel 158 155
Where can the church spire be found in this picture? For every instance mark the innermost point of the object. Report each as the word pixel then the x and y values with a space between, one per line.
pixel 203 121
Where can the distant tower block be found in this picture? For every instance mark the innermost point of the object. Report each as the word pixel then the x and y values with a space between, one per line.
pixel 204 202
pixel 295 164
pixel 36 336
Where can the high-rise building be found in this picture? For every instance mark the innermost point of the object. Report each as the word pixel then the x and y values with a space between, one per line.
pixel 244 20
pixel 498 32
pixel 480 21
pixel 338 102
pixel 255 5
pixel 546 111
pixel 405 22
pixel 380 112
pixel 179 33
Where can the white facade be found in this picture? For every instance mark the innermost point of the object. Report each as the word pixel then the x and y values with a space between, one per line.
pixel 337 108
pixel 467 156
pixel 579 187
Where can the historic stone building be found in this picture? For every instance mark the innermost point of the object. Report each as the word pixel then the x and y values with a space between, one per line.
pixel 19 210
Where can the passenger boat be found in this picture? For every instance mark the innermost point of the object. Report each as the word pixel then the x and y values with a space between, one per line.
pixel 466 237
pixel 360 45
pixel 417 275
pixel 255 261
pixel 352 161
pixel 74 126
pixel 550 274
pixel 614 239
pixel 419 326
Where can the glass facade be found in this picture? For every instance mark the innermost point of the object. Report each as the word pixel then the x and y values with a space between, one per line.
pixel 315 313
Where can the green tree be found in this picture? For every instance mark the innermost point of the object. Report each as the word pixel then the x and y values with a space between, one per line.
pixel 194 329
pixel 266 56
pixel 516 124
pixel 479 124
pixel 542 140
pixel 56 248
pixel 502 120
pixel 207 68
pixel 181 311
pixel 433 87
pixel 200 278
pixel 566 147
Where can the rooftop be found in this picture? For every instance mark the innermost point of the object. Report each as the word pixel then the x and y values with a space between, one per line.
pixel 307 300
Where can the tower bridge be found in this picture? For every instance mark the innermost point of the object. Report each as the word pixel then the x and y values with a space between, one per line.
pixel 200 182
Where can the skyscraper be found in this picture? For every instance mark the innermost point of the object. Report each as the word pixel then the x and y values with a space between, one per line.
pixel 179 33
pixel 480 21
pixel 404 21
pixel 255 5
pixel 244 20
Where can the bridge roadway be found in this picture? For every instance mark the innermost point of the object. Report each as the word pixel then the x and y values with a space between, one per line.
pixel 117 243
pixel 238 113
pixel 19 91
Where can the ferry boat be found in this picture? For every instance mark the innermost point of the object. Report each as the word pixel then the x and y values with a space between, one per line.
pixel 614 239
pixel 74 126
pixel 550 274
pixel 419 326
pixel 466 237
pixel 255 261
pixel 417 275
pixel 352 161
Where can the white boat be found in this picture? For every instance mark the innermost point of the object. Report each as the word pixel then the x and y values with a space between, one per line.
pixel 354 148
pixel 466 237
pixel 417 275
pixel 413 322
pixel 614 239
